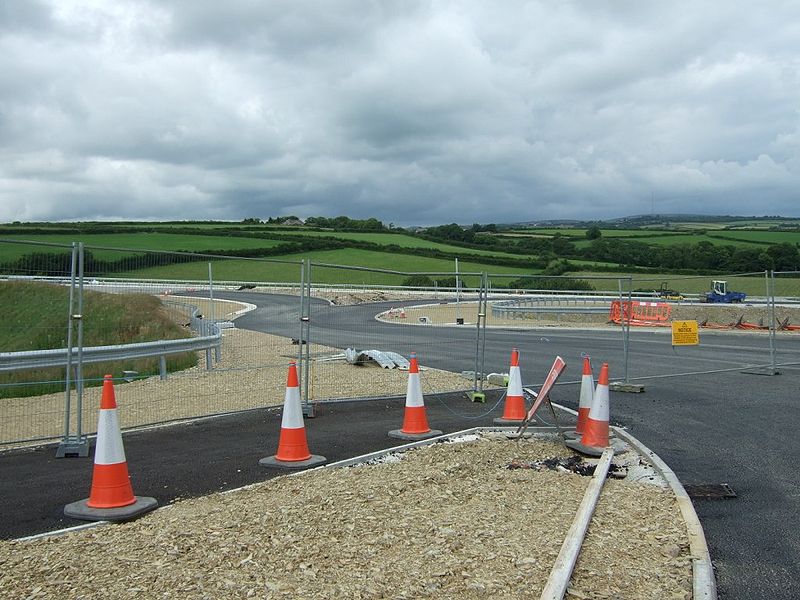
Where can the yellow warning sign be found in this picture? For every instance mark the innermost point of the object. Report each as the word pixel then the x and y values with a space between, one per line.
pixel 685 333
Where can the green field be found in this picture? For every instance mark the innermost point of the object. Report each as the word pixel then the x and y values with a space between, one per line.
pixel 753 285
pixel 580 233
pixel 145 253
pixel 172 242
pixel 271 271
pixel 167 242
pixel 404 241
pixel 761 237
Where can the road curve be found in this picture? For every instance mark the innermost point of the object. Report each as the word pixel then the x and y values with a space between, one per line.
pixel 709 420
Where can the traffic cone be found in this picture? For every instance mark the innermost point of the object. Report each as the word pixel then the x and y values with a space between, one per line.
pixel 595 437
pixel 111 497
pixel 585 402
pixel 514 411
pixel 415 420
pixel 293 450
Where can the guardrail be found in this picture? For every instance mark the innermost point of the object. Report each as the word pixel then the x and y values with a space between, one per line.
pixel 42 359
pixel 520 307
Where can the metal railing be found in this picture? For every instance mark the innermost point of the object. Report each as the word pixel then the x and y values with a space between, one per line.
pixel 43 359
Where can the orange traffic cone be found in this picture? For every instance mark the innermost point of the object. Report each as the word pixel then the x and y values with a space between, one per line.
pixel 415 420
pixel 585 402
pixel 595 437
pixel 111 497
pixel 293 450
pixel 514 411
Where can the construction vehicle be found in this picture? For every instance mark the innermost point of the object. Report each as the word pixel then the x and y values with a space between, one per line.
pixel 668 294
pixel 721 294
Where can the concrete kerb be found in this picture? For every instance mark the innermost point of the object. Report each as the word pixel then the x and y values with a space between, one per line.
pixel 703 582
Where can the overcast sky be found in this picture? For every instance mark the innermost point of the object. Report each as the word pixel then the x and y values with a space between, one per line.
pixel 414 112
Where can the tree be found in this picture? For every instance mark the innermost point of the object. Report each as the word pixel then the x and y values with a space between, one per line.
pixel 593 233
pixel 785 256
pixel 418 281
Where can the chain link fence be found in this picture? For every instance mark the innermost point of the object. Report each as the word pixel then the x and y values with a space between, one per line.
pixel 351 330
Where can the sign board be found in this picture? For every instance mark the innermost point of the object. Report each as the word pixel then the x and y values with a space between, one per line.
pixel 685 333
pixel 549 382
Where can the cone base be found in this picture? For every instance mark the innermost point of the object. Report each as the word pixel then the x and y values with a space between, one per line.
pixel 574 434
pixel 502 421
pixel 402 435
pixel 274 461
pixel 79 510
pixel 594 451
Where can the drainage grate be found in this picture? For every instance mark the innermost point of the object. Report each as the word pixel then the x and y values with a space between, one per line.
pixel 710 491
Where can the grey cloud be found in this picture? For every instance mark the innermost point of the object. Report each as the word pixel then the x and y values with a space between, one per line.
pixel 418 112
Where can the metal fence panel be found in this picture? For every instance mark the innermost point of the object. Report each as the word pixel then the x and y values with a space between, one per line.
pixel 355 329
pixel 179 295
pixel 346 326
pixel 785 294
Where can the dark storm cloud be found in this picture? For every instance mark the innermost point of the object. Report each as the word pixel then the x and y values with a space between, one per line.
pixel 413 112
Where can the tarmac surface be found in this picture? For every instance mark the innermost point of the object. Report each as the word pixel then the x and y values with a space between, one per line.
pixel 710 425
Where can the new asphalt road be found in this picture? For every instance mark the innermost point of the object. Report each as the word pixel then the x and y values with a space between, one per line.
pixel 707 411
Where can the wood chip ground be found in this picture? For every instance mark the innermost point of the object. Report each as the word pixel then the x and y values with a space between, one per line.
pixel 447 521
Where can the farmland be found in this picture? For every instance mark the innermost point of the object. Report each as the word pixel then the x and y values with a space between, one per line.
pixel 287 268
pixel 258 251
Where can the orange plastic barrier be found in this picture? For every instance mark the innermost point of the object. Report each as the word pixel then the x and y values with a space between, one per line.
pixel 635 312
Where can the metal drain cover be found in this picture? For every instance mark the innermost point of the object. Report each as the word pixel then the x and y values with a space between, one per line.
pixel 710 491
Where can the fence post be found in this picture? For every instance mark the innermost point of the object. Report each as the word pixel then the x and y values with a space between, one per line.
pixel 626 326
pixel 769 276
pixel 211 294
pixel 480 342
pixel 78 444
pixel 303 341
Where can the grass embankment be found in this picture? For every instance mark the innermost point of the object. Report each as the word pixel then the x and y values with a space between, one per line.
pixel 35 318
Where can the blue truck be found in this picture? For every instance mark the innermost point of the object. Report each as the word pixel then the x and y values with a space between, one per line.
pixel 721 294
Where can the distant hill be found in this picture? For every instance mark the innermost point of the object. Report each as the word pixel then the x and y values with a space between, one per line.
pixel 667 221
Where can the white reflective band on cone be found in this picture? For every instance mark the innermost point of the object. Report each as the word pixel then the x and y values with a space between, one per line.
pixel 599 410
pixel 587 385
pixel 414 393
pixel 514 382
pixel 292 409
pixel 108 450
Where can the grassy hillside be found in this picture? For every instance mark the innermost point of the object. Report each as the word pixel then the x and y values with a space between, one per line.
pixel 35 318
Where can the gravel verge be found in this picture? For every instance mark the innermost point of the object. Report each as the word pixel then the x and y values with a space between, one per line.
pixel 251 374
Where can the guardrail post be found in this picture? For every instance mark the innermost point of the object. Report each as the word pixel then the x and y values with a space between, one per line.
pixel 162 366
